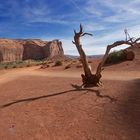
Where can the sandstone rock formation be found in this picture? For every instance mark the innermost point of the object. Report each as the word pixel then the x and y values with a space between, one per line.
pixel 15 50
pixel 136 50
pixel 129 55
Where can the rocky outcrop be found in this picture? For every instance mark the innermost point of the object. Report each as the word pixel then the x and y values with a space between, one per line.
pixel 136 50
pixel 129 55
pixel 53 49
pixel 15 50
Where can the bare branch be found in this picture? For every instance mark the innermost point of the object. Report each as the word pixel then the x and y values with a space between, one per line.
pixel 125 31
pixel 86 34
pixel 75 32
pixel 81 29
pixel 136 40
pixel 73 42
pixel 109 47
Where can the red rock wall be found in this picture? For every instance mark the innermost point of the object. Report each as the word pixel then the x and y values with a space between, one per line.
pixel 14 50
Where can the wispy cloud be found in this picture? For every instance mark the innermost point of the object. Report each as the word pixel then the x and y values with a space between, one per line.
pixel 123 11
pixel 90 26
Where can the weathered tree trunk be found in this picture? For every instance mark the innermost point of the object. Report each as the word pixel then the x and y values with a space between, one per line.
pixel 82 53
pixel 88 78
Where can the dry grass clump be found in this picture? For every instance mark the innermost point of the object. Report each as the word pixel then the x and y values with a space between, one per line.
pixel 45 66
pixel 79 66
pixel 20 64
pixel 115 57
pixel 50 62
pixel 58 63
pixel 68 66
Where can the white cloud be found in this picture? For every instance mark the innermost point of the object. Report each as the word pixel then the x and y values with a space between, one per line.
pixel 38 11
pixel 123 11
pixel 112 10
pixel 91 7
pixel 90 27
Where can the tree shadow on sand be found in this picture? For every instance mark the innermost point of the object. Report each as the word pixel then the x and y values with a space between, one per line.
pixel 76 89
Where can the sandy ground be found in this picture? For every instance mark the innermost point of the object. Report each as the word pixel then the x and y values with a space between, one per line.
pixel 41 105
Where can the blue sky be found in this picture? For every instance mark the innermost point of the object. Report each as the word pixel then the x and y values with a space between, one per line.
pixel 56 19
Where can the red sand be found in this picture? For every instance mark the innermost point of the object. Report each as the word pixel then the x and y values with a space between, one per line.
pixel 42 105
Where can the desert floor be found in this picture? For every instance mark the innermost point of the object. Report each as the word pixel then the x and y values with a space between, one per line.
pixel 41 104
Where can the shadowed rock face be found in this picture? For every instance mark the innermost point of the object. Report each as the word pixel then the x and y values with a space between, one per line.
pixel 14 50
pixel 136 50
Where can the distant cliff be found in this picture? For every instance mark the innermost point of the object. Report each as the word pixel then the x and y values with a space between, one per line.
pixel 18 49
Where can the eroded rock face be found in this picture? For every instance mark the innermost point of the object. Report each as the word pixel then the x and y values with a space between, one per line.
pixel 130 55
pixel 15 50
pixel 10 50
pixel 53 48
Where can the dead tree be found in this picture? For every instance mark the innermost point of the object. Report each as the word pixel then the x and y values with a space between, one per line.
pixel 88 78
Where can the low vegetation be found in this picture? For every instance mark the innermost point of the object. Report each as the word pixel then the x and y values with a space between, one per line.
pixel 58 63
pixel 79 66
pixel 20 64
pixel 115 57
pixel 68 66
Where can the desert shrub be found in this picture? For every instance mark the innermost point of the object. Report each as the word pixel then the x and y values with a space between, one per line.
pixel 37 64
pixel 20 64
pixel 14 66
pixel 49 62
pixel 74 61
pixel 68 66
pixel 79 66
pixel 28 65
pixel 45 66
pixel 58 63
pixel 115 57
pixel 6 67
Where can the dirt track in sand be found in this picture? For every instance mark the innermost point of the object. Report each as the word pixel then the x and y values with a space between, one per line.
pixel 42 105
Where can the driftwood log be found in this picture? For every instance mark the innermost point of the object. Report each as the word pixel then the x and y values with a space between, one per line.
pixel 89 79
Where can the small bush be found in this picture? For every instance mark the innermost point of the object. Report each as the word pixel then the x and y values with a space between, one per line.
pixel 58 63
pixel 115 57
pixel 68 66
pixel 74 61
pixel 45 66
pixel 28 65
pixel 79 66
pixel 49 62
pixel 6 67
pixel 20 66
pixel 19 62
pixel 14 66
pixel 37 64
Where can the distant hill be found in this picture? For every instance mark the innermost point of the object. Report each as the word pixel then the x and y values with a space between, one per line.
pixel 89 56
pixel 71 56
pixel 96 56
